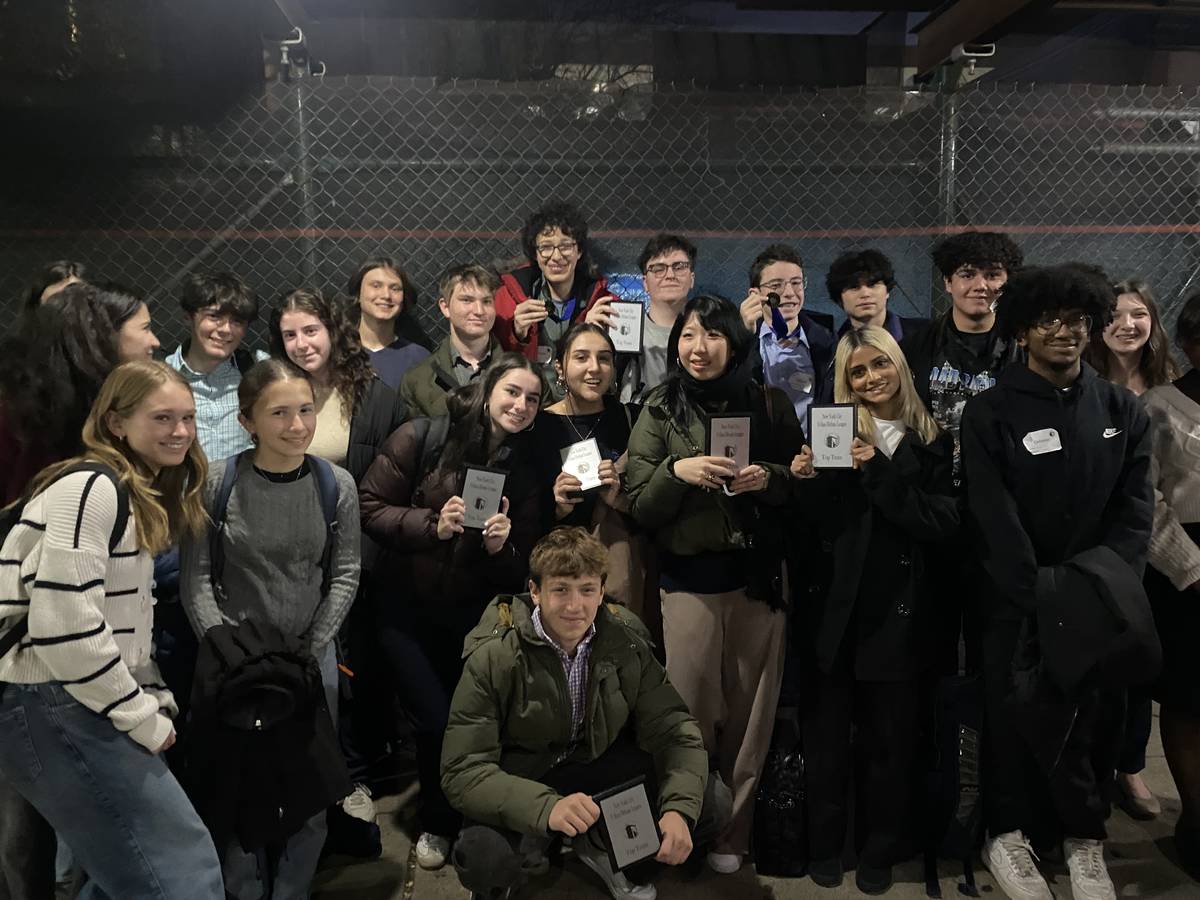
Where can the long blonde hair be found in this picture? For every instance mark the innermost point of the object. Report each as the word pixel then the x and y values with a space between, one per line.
pixel 912 411
pixel 165 508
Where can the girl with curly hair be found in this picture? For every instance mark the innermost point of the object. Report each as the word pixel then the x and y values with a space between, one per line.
pixel 356 411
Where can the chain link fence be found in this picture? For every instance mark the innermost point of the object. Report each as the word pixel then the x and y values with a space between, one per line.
pixel 300 183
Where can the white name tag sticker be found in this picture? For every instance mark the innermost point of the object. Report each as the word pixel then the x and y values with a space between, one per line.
pixel 1045 440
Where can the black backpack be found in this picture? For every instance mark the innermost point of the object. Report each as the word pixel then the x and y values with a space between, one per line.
pixel 11 515
pixel 953 804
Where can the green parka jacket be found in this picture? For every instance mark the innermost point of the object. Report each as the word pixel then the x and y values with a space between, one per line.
pixel 425 386
pixel 687 520
pixel 510 718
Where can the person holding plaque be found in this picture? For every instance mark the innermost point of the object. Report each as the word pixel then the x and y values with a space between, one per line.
pixel 719 532
pixel 558 285
pixel 581 444
pixel 867 633
pixel 562 706
pixel 1057 463
pixel 437 571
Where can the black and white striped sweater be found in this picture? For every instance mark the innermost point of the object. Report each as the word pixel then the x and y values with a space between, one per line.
pixel 89 613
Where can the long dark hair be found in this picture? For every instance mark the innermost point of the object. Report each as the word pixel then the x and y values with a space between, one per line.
pixel 407 324
pixel 53 363
pixel 350 369
pixel 470 426
pixel 1155 364
pixel 52 273
pixel 715 314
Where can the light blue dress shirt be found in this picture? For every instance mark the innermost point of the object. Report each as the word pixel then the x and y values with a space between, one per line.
pixel 218 430
pixel 788 366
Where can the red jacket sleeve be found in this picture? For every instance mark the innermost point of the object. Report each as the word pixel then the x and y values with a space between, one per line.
pixel 507 298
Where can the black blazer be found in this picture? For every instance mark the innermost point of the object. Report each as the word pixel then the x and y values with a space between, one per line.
pixel 868 603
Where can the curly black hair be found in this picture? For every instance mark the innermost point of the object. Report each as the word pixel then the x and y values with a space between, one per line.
pixel 561 215
pixel 858 267
pixel 977 248
pixel 52 273
pixel 1033 293
pixel 349 364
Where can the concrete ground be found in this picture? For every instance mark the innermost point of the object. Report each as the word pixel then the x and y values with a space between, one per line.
pixel 1140 861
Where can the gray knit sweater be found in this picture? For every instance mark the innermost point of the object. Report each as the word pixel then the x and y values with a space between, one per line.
pixel 274 534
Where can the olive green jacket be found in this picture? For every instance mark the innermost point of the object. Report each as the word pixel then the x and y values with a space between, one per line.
pixel 510 719
pixel 425 386
pixel 687 520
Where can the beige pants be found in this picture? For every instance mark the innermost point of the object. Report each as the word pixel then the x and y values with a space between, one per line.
pixel 725 657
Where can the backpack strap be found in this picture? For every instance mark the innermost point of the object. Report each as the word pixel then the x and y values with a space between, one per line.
pixel 121 522
pixel 243 359
pixel 13 636
pixel 216 546
pixel 327 489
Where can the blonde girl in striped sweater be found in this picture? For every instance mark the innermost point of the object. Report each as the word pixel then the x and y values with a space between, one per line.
pixel 84 717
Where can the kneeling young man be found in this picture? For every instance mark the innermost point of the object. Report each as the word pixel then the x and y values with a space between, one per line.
pixel 561 698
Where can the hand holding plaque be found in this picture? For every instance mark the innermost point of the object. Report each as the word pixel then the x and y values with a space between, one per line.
pixel 582 459
pixel 831 432
pixel 483 490
pixel 626 326
pixel 627 824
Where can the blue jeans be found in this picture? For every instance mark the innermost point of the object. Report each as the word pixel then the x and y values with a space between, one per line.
pixel 117 805
pixel 246 876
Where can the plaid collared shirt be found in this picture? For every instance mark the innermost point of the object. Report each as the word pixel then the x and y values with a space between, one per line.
pixel 576 670
pixel 217 427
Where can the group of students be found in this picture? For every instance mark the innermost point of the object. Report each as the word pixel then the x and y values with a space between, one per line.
pixel 1008 488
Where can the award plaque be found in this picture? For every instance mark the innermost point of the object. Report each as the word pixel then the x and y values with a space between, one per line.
pixel 626 329
pixel 483 489
pixel 582 459
pixel 627 823
pixel 831 431
pixel 729 436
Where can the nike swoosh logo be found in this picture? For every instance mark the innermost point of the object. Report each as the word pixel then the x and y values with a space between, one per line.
pixel 1111 432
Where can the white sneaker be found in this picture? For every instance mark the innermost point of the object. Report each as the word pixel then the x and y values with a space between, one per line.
pixel 725 863
pixel 432 850
pixel 1089 874
pixel 359 803
pixel 596 859
pixel 1010 859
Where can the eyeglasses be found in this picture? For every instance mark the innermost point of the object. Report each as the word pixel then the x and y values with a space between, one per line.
pixel 566 248
pixel 777 286
pixel 658 270
pixel 1078 323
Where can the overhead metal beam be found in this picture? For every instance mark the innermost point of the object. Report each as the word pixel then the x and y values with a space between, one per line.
pixel 960 23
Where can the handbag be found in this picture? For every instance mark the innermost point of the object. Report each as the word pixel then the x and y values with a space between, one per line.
pixel 780 836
